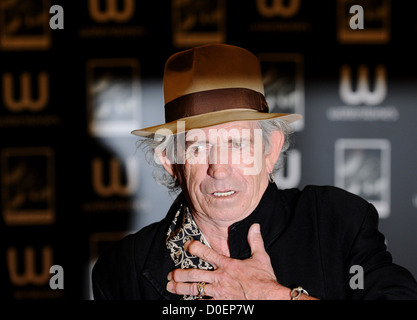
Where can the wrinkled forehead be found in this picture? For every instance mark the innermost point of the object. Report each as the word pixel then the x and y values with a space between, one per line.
pixel 225 131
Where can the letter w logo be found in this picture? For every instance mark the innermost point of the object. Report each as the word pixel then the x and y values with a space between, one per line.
pixel 115 186
pixel 111 12
pixel 26 100
pixel 277 8
pixel 363 94
pixel 30 276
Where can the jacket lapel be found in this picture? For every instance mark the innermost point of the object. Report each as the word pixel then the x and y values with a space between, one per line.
pixel 158 262
pixel 272 213
pixel 158 265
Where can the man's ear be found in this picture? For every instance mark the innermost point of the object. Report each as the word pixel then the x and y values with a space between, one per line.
pixel 276 141
pixel 166 163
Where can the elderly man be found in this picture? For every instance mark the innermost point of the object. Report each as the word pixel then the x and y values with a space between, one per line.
pixel 231 234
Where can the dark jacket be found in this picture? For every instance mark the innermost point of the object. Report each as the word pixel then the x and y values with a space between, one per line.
pixel 313 237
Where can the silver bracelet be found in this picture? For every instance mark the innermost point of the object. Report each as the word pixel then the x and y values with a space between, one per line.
pixel 297 292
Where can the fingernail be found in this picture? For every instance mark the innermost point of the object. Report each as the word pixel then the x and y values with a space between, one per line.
pixel 257 228
pixel 170 286
pixel 169 277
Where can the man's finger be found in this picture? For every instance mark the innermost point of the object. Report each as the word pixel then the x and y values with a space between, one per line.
pixel 191 275
pixel 190 288
pixel 204 252
pixel 255 240
pixel 182 288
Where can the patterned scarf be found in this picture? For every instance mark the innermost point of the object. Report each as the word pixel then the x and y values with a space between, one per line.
pixel 182 229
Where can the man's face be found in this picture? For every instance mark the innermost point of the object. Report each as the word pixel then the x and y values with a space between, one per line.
pixel 225 171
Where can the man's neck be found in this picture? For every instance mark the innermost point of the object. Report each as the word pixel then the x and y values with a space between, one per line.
pixel 215 233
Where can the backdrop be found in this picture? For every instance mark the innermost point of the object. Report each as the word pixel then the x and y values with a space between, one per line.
pixel 76 77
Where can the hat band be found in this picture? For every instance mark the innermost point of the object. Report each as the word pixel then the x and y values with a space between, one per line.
pixel 214 100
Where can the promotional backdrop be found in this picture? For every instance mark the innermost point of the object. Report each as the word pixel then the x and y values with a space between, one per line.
pixel 76 77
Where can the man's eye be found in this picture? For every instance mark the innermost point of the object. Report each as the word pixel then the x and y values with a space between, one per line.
pixel 238 144
pixel 196 149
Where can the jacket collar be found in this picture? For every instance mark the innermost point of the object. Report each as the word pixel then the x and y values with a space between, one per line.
pixel 272 213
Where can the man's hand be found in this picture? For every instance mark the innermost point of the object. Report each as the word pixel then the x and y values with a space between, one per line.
pixel 232 279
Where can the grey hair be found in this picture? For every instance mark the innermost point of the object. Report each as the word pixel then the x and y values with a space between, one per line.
pixel 168 145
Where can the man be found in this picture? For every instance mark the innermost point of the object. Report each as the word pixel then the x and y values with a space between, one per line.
pixel 231 234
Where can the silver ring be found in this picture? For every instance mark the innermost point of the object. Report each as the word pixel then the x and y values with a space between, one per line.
pixel 201 289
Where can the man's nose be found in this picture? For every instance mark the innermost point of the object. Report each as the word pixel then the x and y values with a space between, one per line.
pixel 219 163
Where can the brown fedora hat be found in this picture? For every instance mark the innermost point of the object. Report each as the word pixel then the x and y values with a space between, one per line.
pixel 210 85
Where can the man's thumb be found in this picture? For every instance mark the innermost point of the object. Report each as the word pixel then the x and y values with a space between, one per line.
pixel 255 240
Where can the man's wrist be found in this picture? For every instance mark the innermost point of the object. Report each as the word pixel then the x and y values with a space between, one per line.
pixel 284 293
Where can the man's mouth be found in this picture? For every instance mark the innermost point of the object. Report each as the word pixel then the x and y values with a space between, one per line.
pixel 224 194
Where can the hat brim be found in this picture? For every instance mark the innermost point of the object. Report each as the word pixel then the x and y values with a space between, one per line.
pixel 212 119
